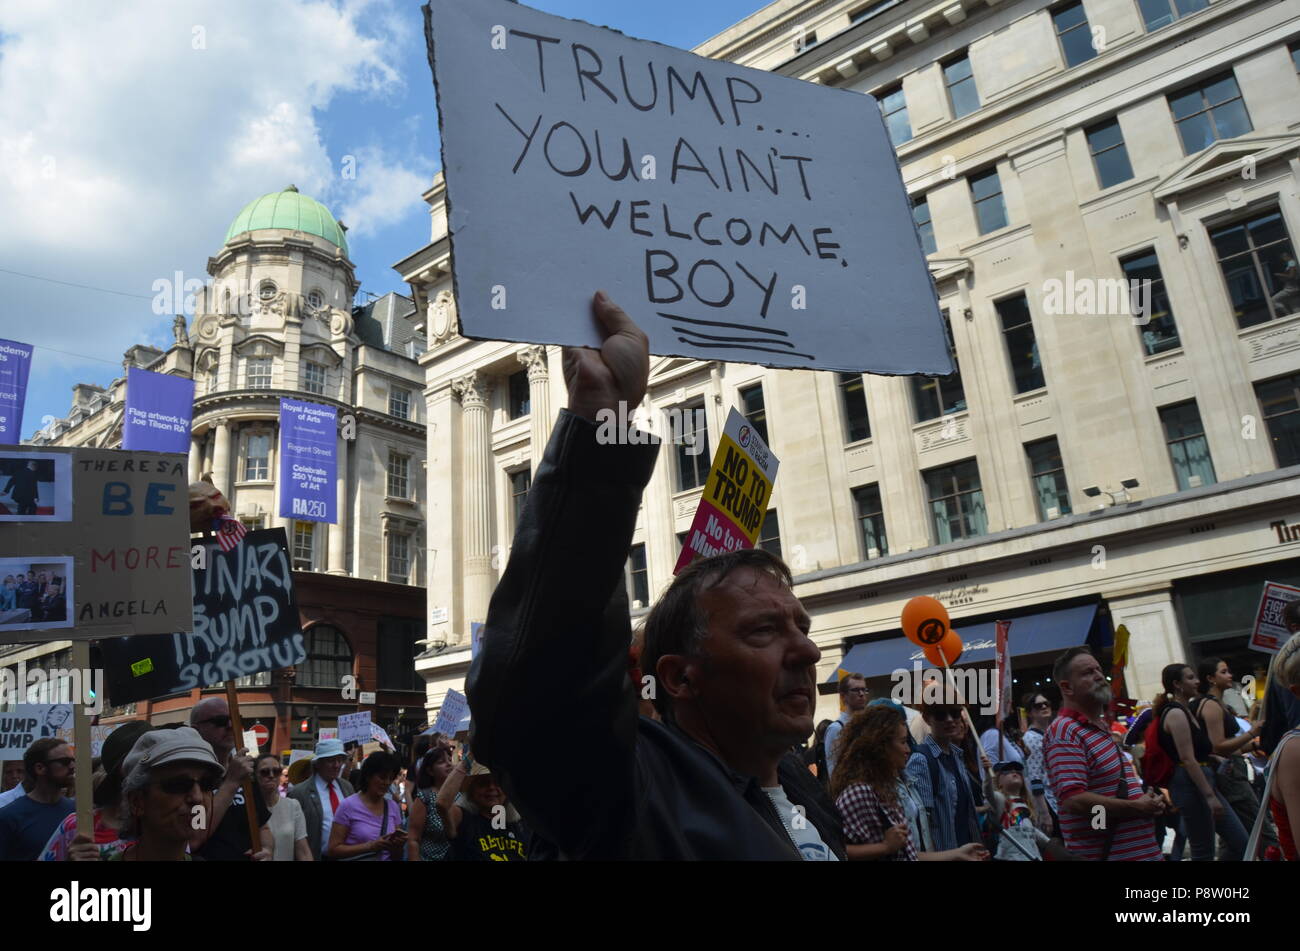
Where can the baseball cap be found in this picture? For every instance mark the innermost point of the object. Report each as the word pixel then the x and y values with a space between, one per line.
pixel 160 747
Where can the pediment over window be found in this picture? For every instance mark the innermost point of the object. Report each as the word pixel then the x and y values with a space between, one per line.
pixel 319 353
pixel 1239 159
pixel 208 360
pixel 947 269
pixel 665 368
pixel 259 345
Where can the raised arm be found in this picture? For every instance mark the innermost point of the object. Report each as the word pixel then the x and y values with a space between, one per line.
pixel 557 631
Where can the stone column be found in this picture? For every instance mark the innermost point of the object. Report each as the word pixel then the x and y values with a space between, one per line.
pixel 1154 636
pixel 539 400
pixel 476 470
pixel 338 550
pixel 196 457
pixel 221 459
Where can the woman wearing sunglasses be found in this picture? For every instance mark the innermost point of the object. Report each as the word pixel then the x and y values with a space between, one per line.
pixel 170 775
pixel 426 839
pixel 368 825
pixel 288 824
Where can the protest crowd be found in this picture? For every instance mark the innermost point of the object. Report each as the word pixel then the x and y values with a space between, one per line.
pixel 720 760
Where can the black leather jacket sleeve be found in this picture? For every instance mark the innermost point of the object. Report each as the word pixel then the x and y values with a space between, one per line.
pixel 554 712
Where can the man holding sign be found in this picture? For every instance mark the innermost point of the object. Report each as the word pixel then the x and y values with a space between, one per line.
pixel 732 667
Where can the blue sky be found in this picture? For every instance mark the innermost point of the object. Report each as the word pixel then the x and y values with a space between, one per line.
pixel 131 135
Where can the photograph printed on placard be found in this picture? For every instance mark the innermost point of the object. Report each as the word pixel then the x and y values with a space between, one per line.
pixel 35 487
pixel 35 593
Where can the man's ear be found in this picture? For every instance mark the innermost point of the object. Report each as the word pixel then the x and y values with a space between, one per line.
pixel 675 673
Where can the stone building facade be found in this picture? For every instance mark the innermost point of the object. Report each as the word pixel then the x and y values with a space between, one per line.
pixel 276 319
pixel 1081 470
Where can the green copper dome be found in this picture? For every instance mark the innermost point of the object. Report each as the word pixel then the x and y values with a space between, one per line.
pixel 292 211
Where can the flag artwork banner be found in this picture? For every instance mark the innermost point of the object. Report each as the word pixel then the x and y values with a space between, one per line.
pixel 158 411
pixel 15 367
pixel 734 502
pixel 308 461
pixel 1004 669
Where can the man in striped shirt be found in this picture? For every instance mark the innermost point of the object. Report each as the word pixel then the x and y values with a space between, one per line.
pixel 1104 813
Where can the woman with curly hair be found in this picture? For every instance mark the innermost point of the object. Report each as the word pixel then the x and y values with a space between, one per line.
pixel 882 816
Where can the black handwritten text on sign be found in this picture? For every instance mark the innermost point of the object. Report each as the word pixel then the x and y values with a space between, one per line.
pixel 735 214
pixel 245 621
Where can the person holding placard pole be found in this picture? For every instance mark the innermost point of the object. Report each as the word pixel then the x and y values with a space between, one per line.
pixel 233 825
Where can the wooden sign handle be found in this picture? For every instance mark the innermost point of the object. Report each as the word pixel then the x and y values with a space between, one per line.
pixel 254 835
pixel 84 778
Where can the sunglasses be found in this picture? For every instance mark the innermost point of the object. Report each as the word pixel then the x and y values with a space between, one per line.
pixel 64 761
pixel 862 690
pixel 219 722
pixel 180 785
pixel 1040 705
pixel 946 714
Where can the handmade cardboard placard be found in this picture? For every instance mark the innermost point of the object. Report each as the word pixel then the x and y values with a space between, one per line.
pixel 244 617
pixel 453 709
pixel 735 214
pixel 122 561
pixel 354 727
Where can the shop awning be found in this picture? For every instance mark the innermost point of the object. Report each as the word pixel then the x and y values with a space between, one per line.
pixel 1032 634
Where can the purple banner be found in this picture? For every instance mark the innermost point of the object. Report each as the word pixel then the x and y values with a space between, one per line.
pixel 308 461
pixel 159 408
pixel 15 364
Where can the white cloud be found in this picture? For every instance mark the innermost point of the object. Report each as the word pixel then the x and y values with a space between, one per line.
pixel 131 135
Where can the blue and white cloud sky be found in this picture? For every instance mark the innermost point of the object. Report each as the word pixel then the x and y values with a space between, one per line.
pixel 131 134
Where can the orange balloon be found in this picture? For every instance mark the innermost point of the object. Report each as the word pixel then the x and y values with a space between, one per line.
pixel 950 648
pixel 924 621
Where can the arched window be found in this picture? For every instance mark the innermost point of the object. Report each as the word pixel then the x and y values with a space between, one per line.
pixel 225 308
pixel 329 658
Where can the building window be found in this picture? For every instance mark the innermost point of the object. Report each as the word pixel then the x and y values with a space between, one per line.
pixel 1160 333
pixel 520 483
pixel 399 473
pixel 304 546
pixel 1209 111
pixel 769 536
pixel 936 396
pixel 257 373
pixel 518 394
pixel 1295 55
pixel 693 456
pixel 1188 450
pixel 805 39
pixel 1280 402
pixel 313 378
pixel 397 651
pixel 212 380
pixel 990 208
pixel 257 457
pixel 1259 265
pixel 1048 474
pixel 262 679
pixel 754 410
pixel 956 502
pixel 399 402
pixel 254 523
pixel 1022 348
pixel 853 399
pixel 871 521
pixel 315 300
pixel 267 290
pixel 959 79
pixel 1158 13
pixel 894 109
pixel 1074 33
pixel 1109 156
pixel 399 558
pixel 329 658
pixel 924 225
pixel 638 577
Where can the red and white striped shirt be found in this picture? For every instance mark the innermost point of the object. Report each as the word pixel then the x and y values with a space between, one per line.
pixel 1082 757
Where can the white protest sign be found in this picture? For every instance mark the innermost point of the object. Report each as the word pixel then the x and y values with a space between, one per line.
pixel 453 710
pixel 251 742
pixel 30 722
pixel 354 727
pixel 735 214
pixel 328 733
pixel 377 732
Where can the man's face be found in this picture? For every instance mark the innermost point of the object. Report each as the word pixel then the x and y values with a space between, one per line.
pixel 215 727
pixel 330 767
pixel 60 767
pixel 856 694
pixel 31 576
pixel 1086 684
pixel 945 723
pixel 12 776
pixel 57 716
pixel 755 686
